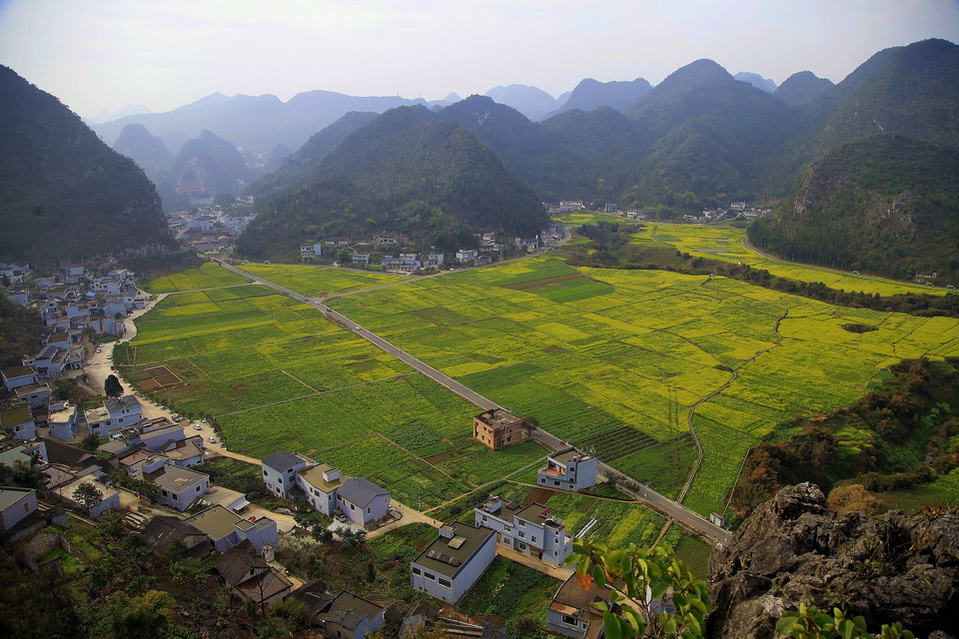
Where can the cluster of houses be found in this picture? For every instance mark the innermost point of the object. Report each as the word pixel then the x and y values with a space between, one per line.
pixel 75 300
pixel 209 228
pixel 489 249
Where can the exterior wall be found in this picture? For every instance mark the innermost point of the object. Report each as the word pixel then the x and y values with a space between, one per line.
pixel 17 382
pixel 19 509
pixel 469 574
pixel 110 502
pixel 566 625
pixel 319 500
pixel 25 430
pixel 550 544
pixel 182 499
pixel 576 475
pixel 279 483
pixel 259 537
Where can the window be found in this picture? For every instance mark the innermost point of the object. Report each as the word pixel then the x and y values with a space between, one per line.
pixel 164 493
pixel 533 540
pixel 352 507
pixel 485 518
pixel 369 511
pixel 264 473
pixel 446 583
pixel 197 489
pixel 570 620
pixel 522 535
pixel 429 575
pixel 520 522
pixel 417 571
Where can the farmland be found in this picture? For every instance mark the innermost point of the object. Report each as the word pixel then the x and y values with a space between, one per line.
pixel 319 281
pixel 204 276
pixel 725 243
pixel 276 375
pixel 620 357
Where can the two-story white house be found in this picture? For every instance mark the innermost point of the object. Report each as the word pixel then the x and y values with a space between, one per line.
pixel 449 566
pixel 280 471
pixel 62 420
pixel 568 470
pixel 178 486
pixel 362 501
pixel 116 412
pixel 320 484
pixel 531 530
pixel 18 376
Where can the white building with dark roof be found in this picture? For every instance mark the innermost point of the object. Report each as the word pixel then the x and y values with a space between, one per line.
pixel 280 470
pixel 362 501
pixel 449 566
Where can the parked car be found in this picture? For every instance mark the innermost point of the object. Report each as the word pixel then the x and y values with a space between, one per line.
pixel 213 440
pixel 89 362
pixel 197 427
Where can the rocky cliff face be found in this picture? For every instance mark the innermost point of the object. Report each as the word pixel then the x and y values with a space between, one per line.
pixel 893 567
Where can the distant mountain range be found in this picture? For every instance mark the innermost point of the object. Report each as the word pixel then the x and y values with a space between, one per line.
pixel 699 139
pixel 65 194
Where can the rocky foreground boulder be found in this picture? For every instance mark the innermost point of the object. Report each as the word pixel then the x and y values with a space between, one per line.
pixel 792 549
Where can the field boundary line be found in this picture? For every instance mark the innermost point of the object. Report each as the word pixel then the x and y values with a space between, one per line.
pixel 692 409
pixel 296 379
pixel 505 478
pixel 203 290
pixel 316 394
pixel 412 454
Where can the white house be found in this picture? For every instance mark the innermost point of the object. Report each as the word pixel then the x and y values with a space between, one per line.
pixel 16 504
pixel 25 453
pixel 362 501
pixel 110 496
pixel 18 376
pixel 311 250
pixel 467 255
pixel 36 395
pixel 531 530
pixel 568 470
pixel 62 420
pixel 320 484
pixel 280 471
pixel 18 422
pixel 225 528
pixel 449 567
pixel 178 486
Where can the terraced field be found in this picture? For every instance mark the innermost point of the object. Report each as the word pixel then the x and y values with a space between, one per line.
pixel 591 351
pixel 725 243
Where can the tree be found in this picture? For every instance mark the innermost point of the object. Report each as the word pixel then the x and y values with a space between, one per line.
pixel 638 580
pixel 88 496
pixel 112 386
pixel 145 616
pixel 90 442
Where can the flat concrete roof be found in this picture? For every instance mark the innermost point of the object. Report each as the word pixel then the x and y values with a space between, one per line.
pixel 474 538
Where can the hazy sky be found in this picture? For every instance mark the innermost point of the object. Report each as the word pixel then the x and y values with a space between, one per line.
pixel 104 54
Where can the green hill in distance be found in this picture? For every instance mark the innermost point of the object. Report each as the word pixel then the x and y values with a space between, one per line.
pixel 64 194
pixel 405 172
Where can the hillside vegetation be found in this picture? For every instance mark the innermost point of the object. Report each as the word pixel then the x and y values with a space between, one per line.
pixel 64 194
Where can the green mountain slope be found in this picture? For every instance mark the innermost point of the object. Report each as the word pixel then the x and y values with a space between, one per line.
pixel 297 168
pixel 404 171
pixel 802 88
pixel 883 204
pixel 64 194
pixel 713 137
pixel 209 165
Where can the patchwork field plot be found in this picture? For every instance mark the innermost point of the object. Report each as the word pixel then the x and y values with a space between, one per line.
pixel 725 243
pixel 318 281
pixel 640 350
pixel 205 276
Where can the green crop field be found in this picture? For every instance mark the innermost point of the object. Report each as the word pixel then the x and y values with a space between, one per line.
pixel 319 281
pixel 208 275
pixel 725 243
pixel 277 375
pixel 617 359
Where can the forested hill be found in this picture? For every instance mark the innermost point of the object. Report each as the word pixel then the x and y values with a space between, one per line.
pixel 405 171
pixel 888 202
pixel 883 204
pixel 64 194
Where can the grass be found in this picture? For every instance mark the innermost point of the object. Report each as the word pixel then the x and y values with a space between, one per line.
pixel 511 590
